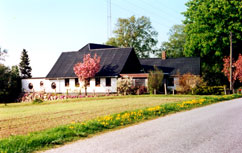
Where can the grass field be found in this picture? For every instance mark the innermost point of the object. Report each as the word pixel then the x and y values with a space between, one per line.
pixel 22 118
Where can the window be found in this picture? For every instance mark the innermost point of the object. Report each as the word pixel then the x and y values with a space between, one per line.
pixel 108 82
pixel 88 81
pixel 53 85
pixel 97 82
pixel 139 82
pixel 31 86
pixel 41 83
pixel 77 82
pixel 67 81
pixel 170 82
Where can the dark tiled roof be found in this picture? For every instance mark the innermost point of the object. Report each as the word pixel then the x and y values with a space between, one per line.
pixel 113 61
pixel 173 66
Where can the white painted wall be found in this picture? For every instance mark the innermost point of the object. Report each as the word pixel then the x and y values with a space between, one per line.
pixel 176 82
pixel 102 88
pixel 35 82
pixel 60 86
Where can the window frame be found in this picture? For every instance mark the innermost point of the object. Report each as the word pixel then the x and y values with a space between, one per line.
pixel 77 84
pixel 30 86
pixel 88 80
pixel 97 80
pixel 106 82
pixel 53 85
pixel 41 83
pixel 171 82
pixel 67 82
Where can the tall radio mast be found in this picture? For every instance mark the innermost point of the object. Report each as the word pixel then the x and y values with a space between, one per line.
pixel 109 19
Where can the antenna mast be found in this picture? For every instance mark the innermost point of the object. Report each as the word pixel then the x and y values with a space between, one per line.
pixel 109 17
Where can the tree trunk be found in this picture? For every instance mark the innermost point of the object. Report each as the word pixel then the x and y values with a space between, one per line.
pixel 165 88
pixel 85 85
pixel 85 90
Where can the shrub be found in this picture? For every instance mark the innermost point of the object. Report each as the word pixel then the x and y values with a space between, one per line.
pixel 187 82
pixel 142 90
pixel 138 90
pixel 209 90
pixel 37 100
pixel 155 80
pixel 125 85
pixel 133 90
pixel 239 90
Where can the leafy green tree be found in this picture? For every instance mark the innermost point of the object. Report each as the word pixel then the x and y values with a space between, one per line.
pixel 208 24
pixel 2 54
pixel 24 65
pixel 10 84
pixel 174 47
pixel 137 33
pixel 155 79
pixel 15 84
pixel 4 75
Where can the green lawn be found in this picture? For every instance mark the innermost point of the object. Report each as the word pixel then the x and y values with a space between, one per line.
pixel 23 118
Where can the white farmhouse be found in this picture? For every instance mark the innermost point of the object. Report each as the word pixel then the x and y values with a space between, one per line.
pixel 115 62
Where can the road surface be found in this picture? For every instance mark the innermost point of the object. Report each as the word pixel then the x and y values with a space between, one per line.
pixel 215 128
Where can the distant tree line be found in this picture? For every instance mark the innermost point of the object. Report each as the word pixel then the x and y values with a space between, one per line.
pixel 205 33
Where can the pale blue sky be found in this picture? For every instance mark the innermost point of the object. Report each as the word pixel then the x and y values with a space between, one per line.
pixel 45 28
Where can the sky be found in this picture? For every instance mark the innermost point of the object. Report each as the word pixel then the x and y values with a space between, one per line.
pixel 45 28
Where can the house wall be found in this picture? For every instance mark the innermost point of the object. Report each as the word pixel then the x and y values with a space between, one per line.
pixel 60 86
pixel 35 82
pixel 102 88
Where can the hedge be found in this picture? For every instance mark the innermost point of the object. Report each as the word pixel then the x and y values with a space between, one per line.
pixel 209 90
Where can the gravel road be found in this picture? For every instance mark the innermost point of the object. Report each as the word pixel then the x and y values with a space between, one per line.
pixel 212 129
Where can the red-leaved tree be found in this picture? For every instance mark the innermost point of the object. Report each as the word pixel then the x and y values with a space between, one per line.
pixel 238 65
pixel 237 68
pixel 87 69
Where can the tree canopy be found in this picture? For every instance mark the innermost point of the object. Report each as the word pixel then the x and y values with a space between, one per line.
pixel 24 65
pixel 10 84
pixel 208 25
pixel 174 47
pixel 155 80
pixel 87 69
pixel 137 33
pixel 237 69
pixel 2 54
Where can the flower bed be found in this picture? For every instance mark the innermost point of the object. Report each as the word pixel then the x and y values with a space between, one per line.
pixel 30 97
pixel 72 131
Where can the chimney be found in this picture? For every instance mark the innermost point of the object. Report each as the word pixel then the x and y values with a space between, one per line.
pixel 163 55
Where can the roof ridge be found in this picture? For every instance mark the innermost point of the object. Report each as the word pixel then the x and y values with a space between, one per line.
pixel 166 58
pixel 69 51
pixel 109 48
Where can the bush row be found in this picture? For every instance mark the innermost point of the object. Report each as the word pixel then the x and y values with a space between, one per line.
pixel 56 136
pixel 39 96
pixel 209 90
